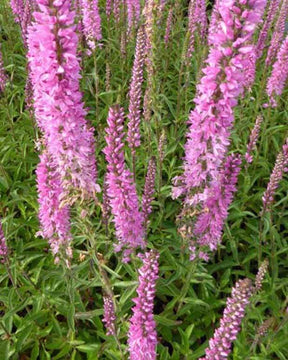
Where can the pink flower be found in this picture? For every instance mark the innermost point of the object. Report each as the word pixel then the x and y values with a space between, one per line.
pixel 230 324
pixel 3 77
pixel 142 337
pixel 253 139
pixel 272 11
pixel 53 216
pixel 223 81
pixel 214 202
pixel 121 187
pixel 135 93
pixel 278 77
pixel 59 110
pixel 3 245
pixel 276 176
pixel 149 189
pixel 168 27
pixel 109 317
pixel 91 22
pixel 278 34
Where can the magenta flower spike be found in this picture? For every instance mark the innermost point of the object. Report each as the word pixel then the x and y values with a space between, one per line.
pixel 197 22
pixel 276 176
pixel 108 8
pixel 272 11
pixel 278 34
pixel 3 76
pixel 223 81
pixel 53 216
pixel 142 336
pixel 135 93
pixel 149 190
pixel 91 22
pixel 168 27
pixel 215 201
pixel 3 245
pixel 121 187
pixel 279 75
pixel 133 13
pixel 253 139
pixel 109 317
pixel 230 324
pixel 17 7
pixel 59 110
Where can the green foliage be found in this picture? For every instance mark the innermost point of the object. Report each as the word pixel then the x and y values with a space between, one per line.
pixel 50 312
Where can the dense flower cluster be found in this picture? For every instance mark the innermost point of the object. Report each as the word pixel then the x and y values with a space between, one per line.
pixel 135 92
pixel 272 11
pixel 215 202
pixel 59 110
pixel 260 275
pixel 142 337
pixel 197 23
pixel 17 7
pixel 149 189
pixel 121 187
pixel 220 344
pixel 278 77
pixel 278 34
pixel 91 22
pixel 3 77
pixel 275 177
pixel 133 12
pixel 3 244
pixel 223 81
pixel 253 139
pixel 109 315
pixel 168 27
pixel 54 218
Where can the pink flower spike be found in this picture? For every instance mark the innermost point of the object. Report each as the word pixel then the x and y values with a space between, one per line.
pixel 121 187
pixel 142 336
pixel 3 245
pixel 230 324
pixel 59 110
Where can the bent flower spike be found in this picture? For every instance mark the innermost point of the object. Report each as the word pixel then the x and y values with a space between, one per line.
pixel 142 337
pixel 121 187
pixel 54 218
pixel 59 110
pixel 230 324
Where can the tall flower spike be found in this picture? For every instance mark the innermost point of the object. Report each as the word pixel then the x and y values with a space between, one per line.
pixel 3 244
pixel 135 93
pixel 279 75
pixel 168 27
pixel 133 13
pixel 3 77
pixel 230 324
pixel 109 317
pixel 26 20
pixel 59 110
pixel 272 11
pixel 149 190
pixel 197 22
pixel 278 34
pixel 253 139
pixel 17 7
pixel 275 178
pixel 142 336
pixel 121 187
pixel 215 201
pixel 260 275
pixel 91 22
pixel 223 81
pixel 54 218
